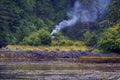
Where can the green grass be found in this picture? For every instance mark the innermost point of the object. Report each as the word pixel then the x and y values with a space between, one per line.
pixel 48 48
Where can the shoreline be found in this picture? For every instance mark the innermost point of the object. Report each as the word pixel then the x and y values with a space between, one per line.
pixel 58 65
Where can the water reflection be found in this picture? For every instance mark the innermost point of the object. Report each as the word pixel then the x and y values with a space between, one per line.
pixel 53 70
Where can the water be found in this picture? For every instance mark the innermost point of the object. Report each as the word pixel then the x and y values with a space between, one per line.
pixel 58 69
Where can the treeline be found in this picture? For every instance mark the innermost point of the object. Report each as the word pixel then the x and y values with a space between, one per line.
pixel 109 39
pixel 22 19
pixel 30 22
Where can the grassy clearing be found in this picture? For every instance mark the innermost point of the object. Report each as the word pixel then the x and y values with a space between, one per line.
pixel 95 59
pixel 49 48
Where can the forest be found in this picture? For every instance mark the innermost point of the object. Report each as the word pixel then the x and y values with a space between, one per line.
pixel 96 23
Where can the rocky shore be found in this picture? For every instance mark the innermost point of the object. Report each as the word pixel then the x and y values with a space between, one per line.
pixel 79 56
pixel 52 54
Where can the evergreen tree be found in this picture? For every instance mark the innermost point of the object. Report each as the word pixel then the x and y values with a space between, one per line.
pixel 114 11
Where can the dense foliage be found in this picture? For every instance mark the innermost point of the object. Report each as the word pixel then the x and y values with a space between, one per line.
pixel 20 18
pixel 41 37
pixel 29 22
pixel 110 39
pixel 114 10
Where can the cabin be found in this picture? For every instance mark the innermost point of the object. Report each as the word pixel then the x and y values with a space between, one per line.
pixel 54 38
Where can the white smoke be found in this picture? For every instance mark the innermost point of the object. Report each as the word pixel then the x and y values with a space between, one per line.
pixel 80 12
pixel 74 17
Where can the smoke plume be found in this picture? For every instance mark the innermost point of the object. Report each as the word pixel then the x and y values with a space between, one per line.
pixel 84 12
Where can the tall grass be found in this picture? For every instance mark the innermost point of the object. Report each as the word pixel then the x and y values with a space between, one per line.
pixel 49 48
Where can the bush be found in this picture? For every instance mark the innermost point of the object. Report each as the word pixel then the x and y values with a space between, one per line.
pixel 45 37
pixel 40 37
pixel 65 43
pixel 33 39
pixel 110 40
pixel 62 41
pixel 90 38
pixel 3 41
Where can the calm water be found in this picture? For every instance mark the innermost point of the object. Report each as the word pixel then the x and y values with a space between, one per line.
pixel 55 70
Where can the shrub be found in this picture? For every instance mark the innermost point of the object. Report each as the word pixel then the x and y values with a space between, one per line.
pixel 110 40
pixel 40 37
pixel 33 39
pixel 65 43
pixel 45 37
pixel 90 38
